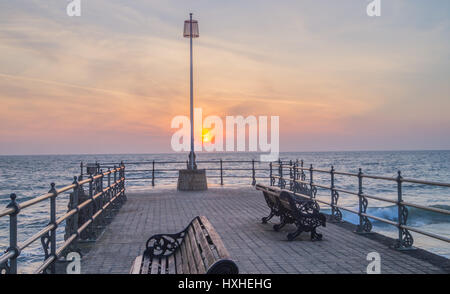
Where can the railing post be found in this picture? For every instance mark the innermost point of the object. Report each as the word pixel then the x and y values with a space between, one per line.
pixel 294 173
pixel 153 173
pixel 115 189
pixel 271 179
pixel 81 171
pixel 115 175
pixel 405 239
pixel 365 226
pixel 13 234
pixel 109 208
pixel 75 202
pixel 101 201
pixel 291 173
pixel 303 177
pixel 123 195
pixel 280 174
pixel 312 188
pixel 53 231
pixel 221 172
pixel 335 211
pixel 253 173
pixel 295 185
pixel 92 209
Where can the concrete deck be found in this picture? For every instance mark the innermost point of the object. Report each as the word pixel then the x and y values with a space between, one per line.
pixel 256 248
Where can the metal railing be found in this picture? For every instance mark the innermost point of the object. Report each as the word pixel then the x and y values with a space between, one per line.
pixel 220 169
pixel 301 184
pixel 98 201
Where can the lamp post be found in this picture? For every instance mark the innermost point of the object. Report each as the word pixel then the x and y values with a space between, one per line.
pixel 191 31
pixel 191 179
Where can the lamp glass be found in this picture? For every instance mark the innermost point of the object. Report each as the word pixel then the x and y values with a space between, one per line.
pixel 187 29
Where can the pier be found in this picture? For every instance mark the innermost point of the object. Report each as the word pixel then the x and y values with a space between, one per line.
pixel 256 248
pixel 109 219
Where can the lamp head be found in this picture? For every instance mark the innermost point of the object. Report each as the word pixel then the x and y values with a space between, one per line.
pixel 187 28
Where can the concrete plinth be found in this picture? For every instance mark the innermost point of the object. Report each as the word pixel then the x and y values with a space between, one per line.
pixel 192 180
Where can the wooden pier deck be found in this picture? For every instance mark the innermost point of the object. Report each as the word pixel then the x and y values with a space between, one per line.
pixel 236 215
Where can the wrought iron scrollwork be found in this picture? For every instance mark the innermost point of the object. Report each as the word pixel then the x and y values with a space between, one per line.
pixel 4 268
pixel 335 211
pixel 164 244
pixel 313 192
pixel 45 241
pixel 407 239
pixel 302 189
pixel 365 224
pixel 272 181
pixel 304 213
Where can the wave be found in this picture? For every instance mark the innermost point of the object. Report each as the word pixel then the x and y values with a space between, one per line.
pixel 416 216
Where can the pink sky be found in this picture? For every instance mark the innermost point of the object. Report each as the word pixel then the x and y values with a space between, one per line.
pixel 111 80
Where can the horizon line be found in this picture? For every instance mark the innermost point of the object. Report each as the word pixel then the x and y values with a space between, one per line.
pixel 227 152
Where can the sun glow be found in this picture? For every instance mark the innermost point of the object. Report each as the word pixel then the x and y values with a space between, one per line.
pixel 206 136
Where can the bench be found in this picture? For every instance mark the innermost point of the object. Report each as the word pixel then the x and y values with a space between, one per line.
pixel 293 208
pixel 198 249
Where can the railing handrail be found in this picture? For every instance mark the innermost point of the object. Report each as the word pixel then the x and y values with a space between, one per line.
pixel 297 181
pixel 33 201
pixel 117 187
pixel 154 170
pixel 405 180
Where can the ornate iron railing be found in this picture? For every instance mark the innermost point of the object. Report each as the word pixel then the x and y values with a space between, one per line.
pixel 300 184
pixel 219 169
pixel 99 200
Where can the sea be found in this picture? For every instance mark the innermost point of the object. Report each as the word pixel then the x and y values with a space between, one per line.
pixel 29 176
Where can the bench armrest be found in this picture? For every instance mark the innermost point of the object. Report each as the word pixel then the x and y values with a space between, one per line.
pixel 163 244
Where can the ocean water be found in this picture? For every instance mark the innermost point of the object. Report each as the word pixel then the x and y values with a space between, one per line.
pixel 30 176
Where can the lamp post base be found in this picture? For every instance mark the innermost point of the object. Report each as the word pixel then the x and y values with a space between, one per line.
pixel 192 180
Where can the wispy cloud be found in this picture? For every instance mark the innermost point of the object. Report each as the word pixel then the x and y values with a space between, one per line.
pixel 121 71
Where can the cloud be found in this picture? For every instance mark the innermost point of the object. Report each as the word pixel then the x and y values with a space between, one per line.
pixel 121 71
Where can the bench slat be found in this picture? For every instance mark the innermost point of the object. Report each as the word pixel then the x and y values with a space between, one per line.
pixel 136 268
pixel 200 251
pixel 145 264
pixel 179 262
pixel 196 252
pixel 155 265
pixel 190 254
pixel 171 266
pixel 163 265
pixel 221 250
pixel 185 263
pixel 209 256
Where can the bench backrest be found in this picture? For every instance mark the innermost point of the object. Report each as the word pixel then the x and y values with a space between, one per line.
pixel 271 194
pixel 202 250
pixel 289 201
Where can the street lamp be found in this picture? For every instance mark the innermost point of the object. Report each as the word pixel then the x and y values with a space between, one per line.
pixel 191 31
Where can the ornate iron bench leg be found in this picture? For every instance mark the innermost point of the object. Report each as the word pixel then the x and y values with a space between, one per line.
pixel 292 236
pixel 282 223
pixel 315 236
pixel 264 220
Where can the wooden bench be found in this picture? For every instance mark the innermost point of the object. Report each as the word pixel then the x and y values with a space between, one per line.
pixel 295 209
pixel 197 249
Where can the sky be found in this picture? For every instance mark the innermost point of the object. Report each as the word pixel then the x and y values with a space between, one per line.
pixel 112 79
